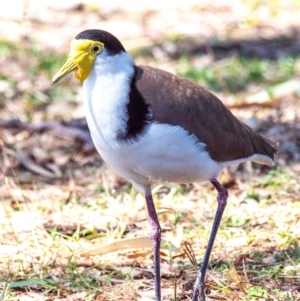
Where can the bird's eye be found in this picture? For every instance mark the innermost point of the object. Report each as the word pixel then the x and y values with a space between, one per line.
pixel 96 49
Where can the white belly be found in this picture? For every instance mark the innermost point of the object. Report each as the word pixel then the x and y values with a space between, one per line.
pixel 164 154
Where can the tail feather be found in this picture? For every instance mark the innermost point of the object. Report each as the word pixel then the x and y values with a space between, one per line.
pixel 273 143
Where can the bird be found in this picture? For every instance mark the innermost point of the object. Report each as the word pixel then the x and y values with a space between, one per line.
pixel 151 126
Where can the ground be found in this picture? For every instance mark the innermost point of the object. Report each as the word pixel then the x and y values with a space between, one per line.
pixel 72 230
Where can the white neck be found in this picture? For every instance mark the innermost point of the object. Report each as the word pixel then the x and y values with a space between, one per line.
pixel 104 98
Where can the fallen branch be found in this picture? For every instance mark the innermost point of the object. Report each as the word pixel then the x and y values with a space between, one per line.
pixel 76 129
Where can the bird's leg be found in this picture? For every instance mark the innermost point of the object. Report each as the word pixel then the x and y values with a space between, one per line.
pixel 199 285
pixel 156 239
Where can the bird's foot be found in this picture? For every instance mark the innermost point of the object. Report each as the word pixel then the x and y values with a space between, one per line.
pixel 202 294
pixel 199 286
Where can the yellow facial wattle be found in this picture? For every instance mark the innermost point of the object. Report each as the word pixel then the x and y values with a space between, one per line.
pixel 80 60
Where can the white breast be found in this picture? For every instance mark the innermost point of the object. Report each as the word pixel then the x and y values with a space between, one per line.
pixel 105 97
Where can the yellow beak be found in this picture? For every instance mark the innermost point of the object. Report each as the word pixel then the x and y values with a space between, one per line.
pixel 80 60
pixel 67 68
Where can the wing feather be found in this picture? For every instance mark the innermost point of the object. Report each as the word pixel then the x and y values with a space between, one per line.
pixel 179 101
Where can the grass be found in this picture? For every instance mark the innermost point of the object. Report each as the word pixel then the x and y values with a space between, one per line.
pixel 33 90
pixel 264 266
pixel 31 53
pixel 235 73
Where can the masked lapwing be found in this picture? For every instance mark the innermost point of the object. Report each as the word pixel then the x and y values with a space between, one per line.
pixel 151 126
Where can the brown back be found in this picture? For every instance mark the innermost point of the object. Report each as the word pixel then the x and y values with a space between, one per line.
pixel 179 101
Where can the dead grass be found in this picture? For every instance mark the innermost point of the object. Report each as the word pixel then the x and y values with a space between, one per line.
pixel 45 227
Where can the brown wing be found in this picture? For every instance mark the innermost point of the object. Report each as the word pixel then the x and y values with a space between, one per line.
pixel 178 101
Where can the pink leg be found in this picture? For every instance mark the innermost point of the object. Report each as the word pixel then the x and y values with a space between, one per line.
pixel 156 239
